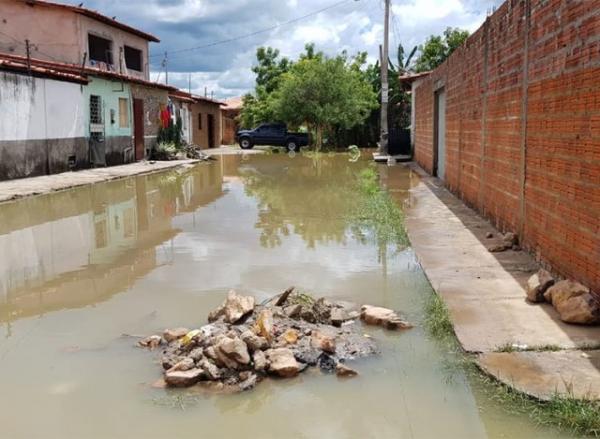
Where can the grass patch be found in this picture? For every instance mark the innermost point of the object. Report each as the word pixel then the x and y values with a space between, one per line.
pixel 437 319
pixel 377 211
pixel 581 417
pixel 513 347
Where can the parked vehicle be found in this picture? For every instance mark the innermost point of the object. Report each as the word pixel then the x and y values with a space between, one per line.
pixel 272 134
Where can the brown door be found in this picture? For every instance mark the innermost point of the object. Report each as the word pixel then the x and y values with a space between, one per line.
pixel 138 128
pixel 211 131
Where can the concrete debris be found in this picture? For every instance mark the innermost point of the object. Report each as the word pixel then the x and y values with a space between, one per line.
pixel 374 315
pixel 246 343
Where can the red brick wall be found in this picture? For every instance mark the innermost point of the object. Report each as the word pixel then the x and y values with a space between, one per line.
pixel 523 128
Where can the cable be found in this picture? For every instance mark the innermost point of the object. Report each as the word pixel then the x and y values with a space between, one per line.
pixel 240 37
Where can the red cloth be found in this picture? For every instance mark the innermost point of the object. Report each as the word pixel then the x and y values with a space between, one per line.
pixel 165 117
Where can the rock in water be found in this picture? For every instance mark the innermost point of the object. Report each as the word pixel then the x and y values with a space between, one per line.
pixel 233 309
pixel 538 284
pixel 321 341
pixel 564 290
pixel 260 361
pixel 174 334
pixel 583 309
pixel 342 370
pixel 234 349
pixel 180 378
pixel 151 342
pixel 338 316
pixel 264 324
pixel 375 315
pixel 254 342
pixel 282 362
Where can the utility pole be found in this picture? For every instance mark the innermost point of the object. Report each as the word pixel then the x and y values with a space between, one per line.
pixel 383 138
pixel 190 83
pixel 166 66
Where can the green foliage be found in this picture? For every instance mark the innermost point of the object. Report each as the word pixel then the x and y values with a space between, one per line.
pixel 438 48
pixel 377 212
pixel 437 319
pixel 323 92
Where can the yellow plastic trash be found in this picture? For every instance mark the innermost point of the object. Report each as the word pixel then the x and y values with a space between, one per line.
pixel 187 338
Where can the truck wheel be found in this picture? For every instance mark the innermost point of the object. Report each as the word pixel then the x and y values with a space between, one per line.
pixel 292 146
pixel 245 143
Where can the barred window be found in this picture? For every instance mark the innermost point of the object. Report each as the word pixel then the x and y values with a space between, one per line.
pixel 95 109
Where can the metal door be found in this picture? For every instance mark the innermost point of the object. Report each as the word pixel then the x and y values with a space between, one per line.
pixel 439 134
pixel 138 128
pixel 211 131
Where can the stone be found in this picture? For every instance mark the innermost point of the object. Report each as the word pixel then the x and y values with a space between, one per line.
pixel 489 235
pixel 211 371
pixel 151 342
pixel 538 284
pixel 254 342
pixel 326 363
pixel 510 239
pixel 293 311
pixel 264 324
pixel 321 341
pixel 234 349
pixel 342 370
pixel 338 316
pixel 308 356
pixel 183 378
pixel 185 364
pixel 233 309
pixel 284 297
pixel 196 354
pixel 375 315
pixel 583 309
pixel 308 315
pixel 248 382
pixel 290 336
pixel 322 310
pixel 260 361
pixel 498 248
pixel 564 290
pixel 282 362
pixel 174 334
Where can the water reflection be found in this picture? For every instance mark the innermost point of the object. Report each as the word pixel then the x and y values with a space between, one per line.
pixel 79 247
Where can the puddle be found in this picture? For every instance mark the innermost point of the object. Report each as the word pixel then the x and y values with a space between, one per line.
pixel 79 268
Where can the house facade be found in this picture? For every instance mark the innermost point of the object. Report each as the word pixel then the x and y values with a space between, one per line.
pixel 231 111
pixel 206 122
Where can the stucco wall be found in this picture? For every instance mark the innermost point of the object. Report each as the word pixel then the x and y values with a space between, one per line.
pixel 117 139
pixel 53 33
pixel 200 135
pixel 42 125
pixel 61 35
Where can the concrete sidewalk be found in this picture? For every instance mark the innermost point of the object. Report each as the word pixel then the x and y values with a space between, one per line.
pixel 25 187
pixel 485 295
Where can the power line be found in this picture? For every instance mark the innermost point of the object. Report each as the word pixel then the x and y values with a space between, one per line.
pixel 267 29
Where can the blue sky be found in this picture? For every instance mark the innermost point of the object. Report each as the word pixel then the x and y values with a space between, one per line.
pixel 356 25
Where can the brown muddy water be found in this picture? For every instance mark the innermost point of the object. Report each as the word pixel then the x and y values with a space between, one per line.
pixel 82 267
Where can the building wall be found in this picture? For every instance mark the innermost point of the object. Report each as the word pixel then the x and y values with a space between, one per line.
pixel 229 126
pixel 523 128
pixel 41 126
pixel 183 111
pixel 118 140
pixel 61 35
pixel 200 135
pixel 155 99
pixel 52 32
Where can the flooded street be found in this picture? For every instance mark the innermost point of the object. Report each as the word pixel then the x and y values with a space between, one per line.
pixel 80 268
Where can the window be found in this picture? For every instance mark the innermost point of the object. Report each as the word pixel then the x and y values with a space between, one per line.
pixel 133 58
pixel 100 49
pixel 199 121
pixel 123 113
pixel 95 109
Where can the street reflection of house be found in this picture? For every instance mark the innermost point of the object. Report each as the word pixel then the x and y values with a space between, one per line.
pixel 80 247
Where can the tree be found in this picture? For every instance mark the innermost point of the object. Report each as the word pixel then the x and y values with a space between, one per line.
pixel 323 92
pixel 437 48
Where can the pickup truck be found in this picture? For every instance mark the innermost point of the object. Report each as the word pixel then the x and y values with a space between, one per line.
pixel 272 134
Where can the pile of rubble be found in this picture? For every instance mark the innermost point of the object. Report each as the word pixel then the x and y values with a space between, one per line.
pixel 574 302
pixel 245 342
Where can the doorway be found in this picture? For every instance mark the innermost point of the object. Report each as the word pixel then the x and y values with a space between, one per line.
pixel 211 131
pixel 439 135
pixel 138 128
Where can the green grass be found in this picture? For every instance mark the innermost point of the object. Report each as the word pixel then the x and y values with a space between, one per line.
pixel 376 210
pixel 512 347
pixel 581 417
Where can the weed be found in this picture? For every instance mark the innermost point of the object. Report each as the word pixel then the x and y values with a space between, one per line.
pixel 437 319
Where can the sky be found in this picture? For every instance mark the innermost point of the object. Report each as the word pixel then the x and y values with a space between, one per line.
pixel 225 69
